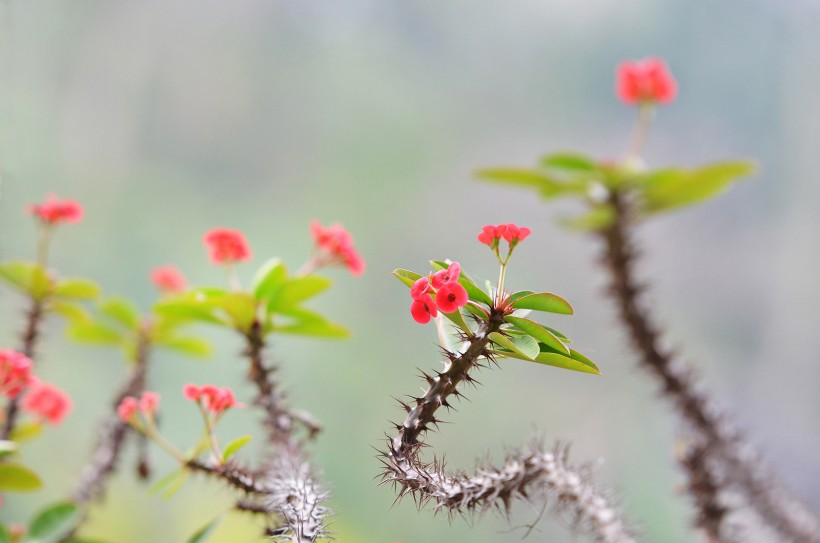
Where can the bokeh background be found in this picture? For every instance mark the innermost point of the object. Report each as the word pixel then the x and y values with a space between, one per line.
pixel 167 118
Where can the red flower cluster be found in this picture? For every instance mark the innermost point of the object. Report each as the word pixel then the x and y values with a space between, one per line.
pixel 437 292
pixel 168 279
pixel 148 405
pixel 645 81
pixel 214 399
pixel 491 235
pixel 15 373
pixel 226 246
pixel 54 210
pixel 47 402
pixel 336 243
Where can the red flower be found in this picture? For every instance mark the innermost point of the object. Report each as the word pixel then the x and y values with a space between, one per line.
pixel 54 210
pixel 450 275
pixel 226 246
pixel 168 279
pixel 514 234
pixel 47 402
pixel 423 310
pixel 15 372
pixel 490 235
pixel 215 399
pixel 450 297
pixel 128 408
pixel 149 403
pixel 336 244
pixel 643 81
pixel 420 289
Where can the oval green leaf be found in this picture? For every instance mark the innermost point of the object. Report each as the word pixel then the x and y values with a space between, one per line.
pixel 297 290
pixel 234 446
pixel 122 311
pixel 52 521
pixel 544 301
pixel 268 279
pixel 18 478
pixel 523 347
pixel 77 288
pixel 538 332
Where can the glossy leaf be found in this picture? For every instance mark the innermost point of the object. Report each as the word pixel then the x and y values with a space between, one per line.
pixel 268 279
pixel 52 521
pixel 537 331
pixel 544 301
pixel 204 533
pixel 95 333
pixel 522 346
pixel 298 290
pixel 77 288
pixel 406 276
pixel 189 345
pixel 122 311
pixel 18 478
pixel 188 308
pixel 669 189
pixel 234 446
pixel 170 484
pixel 240 307
pixel 576 361
pixel 74 313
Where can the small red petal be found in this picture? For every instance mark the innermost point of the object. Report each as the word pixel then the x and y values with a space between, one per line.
pixel 420 312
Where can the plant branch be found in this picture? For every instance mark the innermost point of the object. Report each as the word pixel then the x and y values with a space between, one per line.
pixel 743 467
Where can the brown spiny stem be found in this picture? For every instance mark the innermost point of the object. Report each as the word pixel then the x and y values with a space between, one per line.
pixel 230 473
pixel 705 488
pixel 31 332
pixel 725 444
pixel 292 491
pixel 525 474
pixel 111 434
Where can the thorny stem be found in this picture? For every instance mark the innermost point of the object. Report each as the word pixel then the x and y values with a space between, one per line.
pixel 31 333
pixel 725 445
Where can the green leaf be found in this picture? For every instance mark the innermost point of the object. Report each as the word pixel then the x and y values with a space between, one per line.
pixel 95 333
pixel 268 279
pixel 77 288
pixel 204 533
pixel 5 536
pixel 189 345
pixel 523 347
pixel 520 294
pixel 576 361
pixel 544 301
pixel 18 478
pixel 668 189
pixel 458 319
pixel 406 276
pixel 240 307
pixel 80 541
pixel 190 307
pixel 538 332
pixel 309 323
pixel 52 521
pixel 570 162
pixel 477 311
pixel 74 313
pixel 296 291
pixel 26 431
pixel 233 447
pixel 122 311
pixel 170 484
pixel 27 277
pixel 598 218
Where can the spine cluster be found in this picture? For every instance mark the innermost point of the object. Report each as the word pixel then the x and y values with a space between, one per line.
pixel 731 461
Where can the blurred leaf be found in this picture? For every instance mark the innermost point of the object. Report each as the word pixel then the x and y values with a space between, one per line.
pixel 5 536
pixel 27 277
pixel 599 217
pixel 18 478
pixel 544 301
pixel 538 332
pixel 522 346
pixel 81 541
pixel 189 307
pixel 170 484
pixel 309 323
pixel 72 312
pixel 77 288
pixel 204 533
pixel 189 345
pixel 576 361
pixel 240 308
pixel 668 189
pixel 95 333
pixel 7 447
pixel 26 431
pixel 296 291
pixel 571 162
pixel 52 521
pixel 406 276
pixel 234 446
pixel 268 279
pixel 121 310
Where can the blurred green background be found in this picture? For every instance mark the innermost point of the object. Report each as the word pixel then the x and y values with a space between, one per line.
pixel 167 118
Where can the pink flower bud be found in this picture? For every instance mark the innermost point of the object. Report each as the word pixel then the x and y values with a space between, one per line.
pixel 55 211
pixel 226 246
